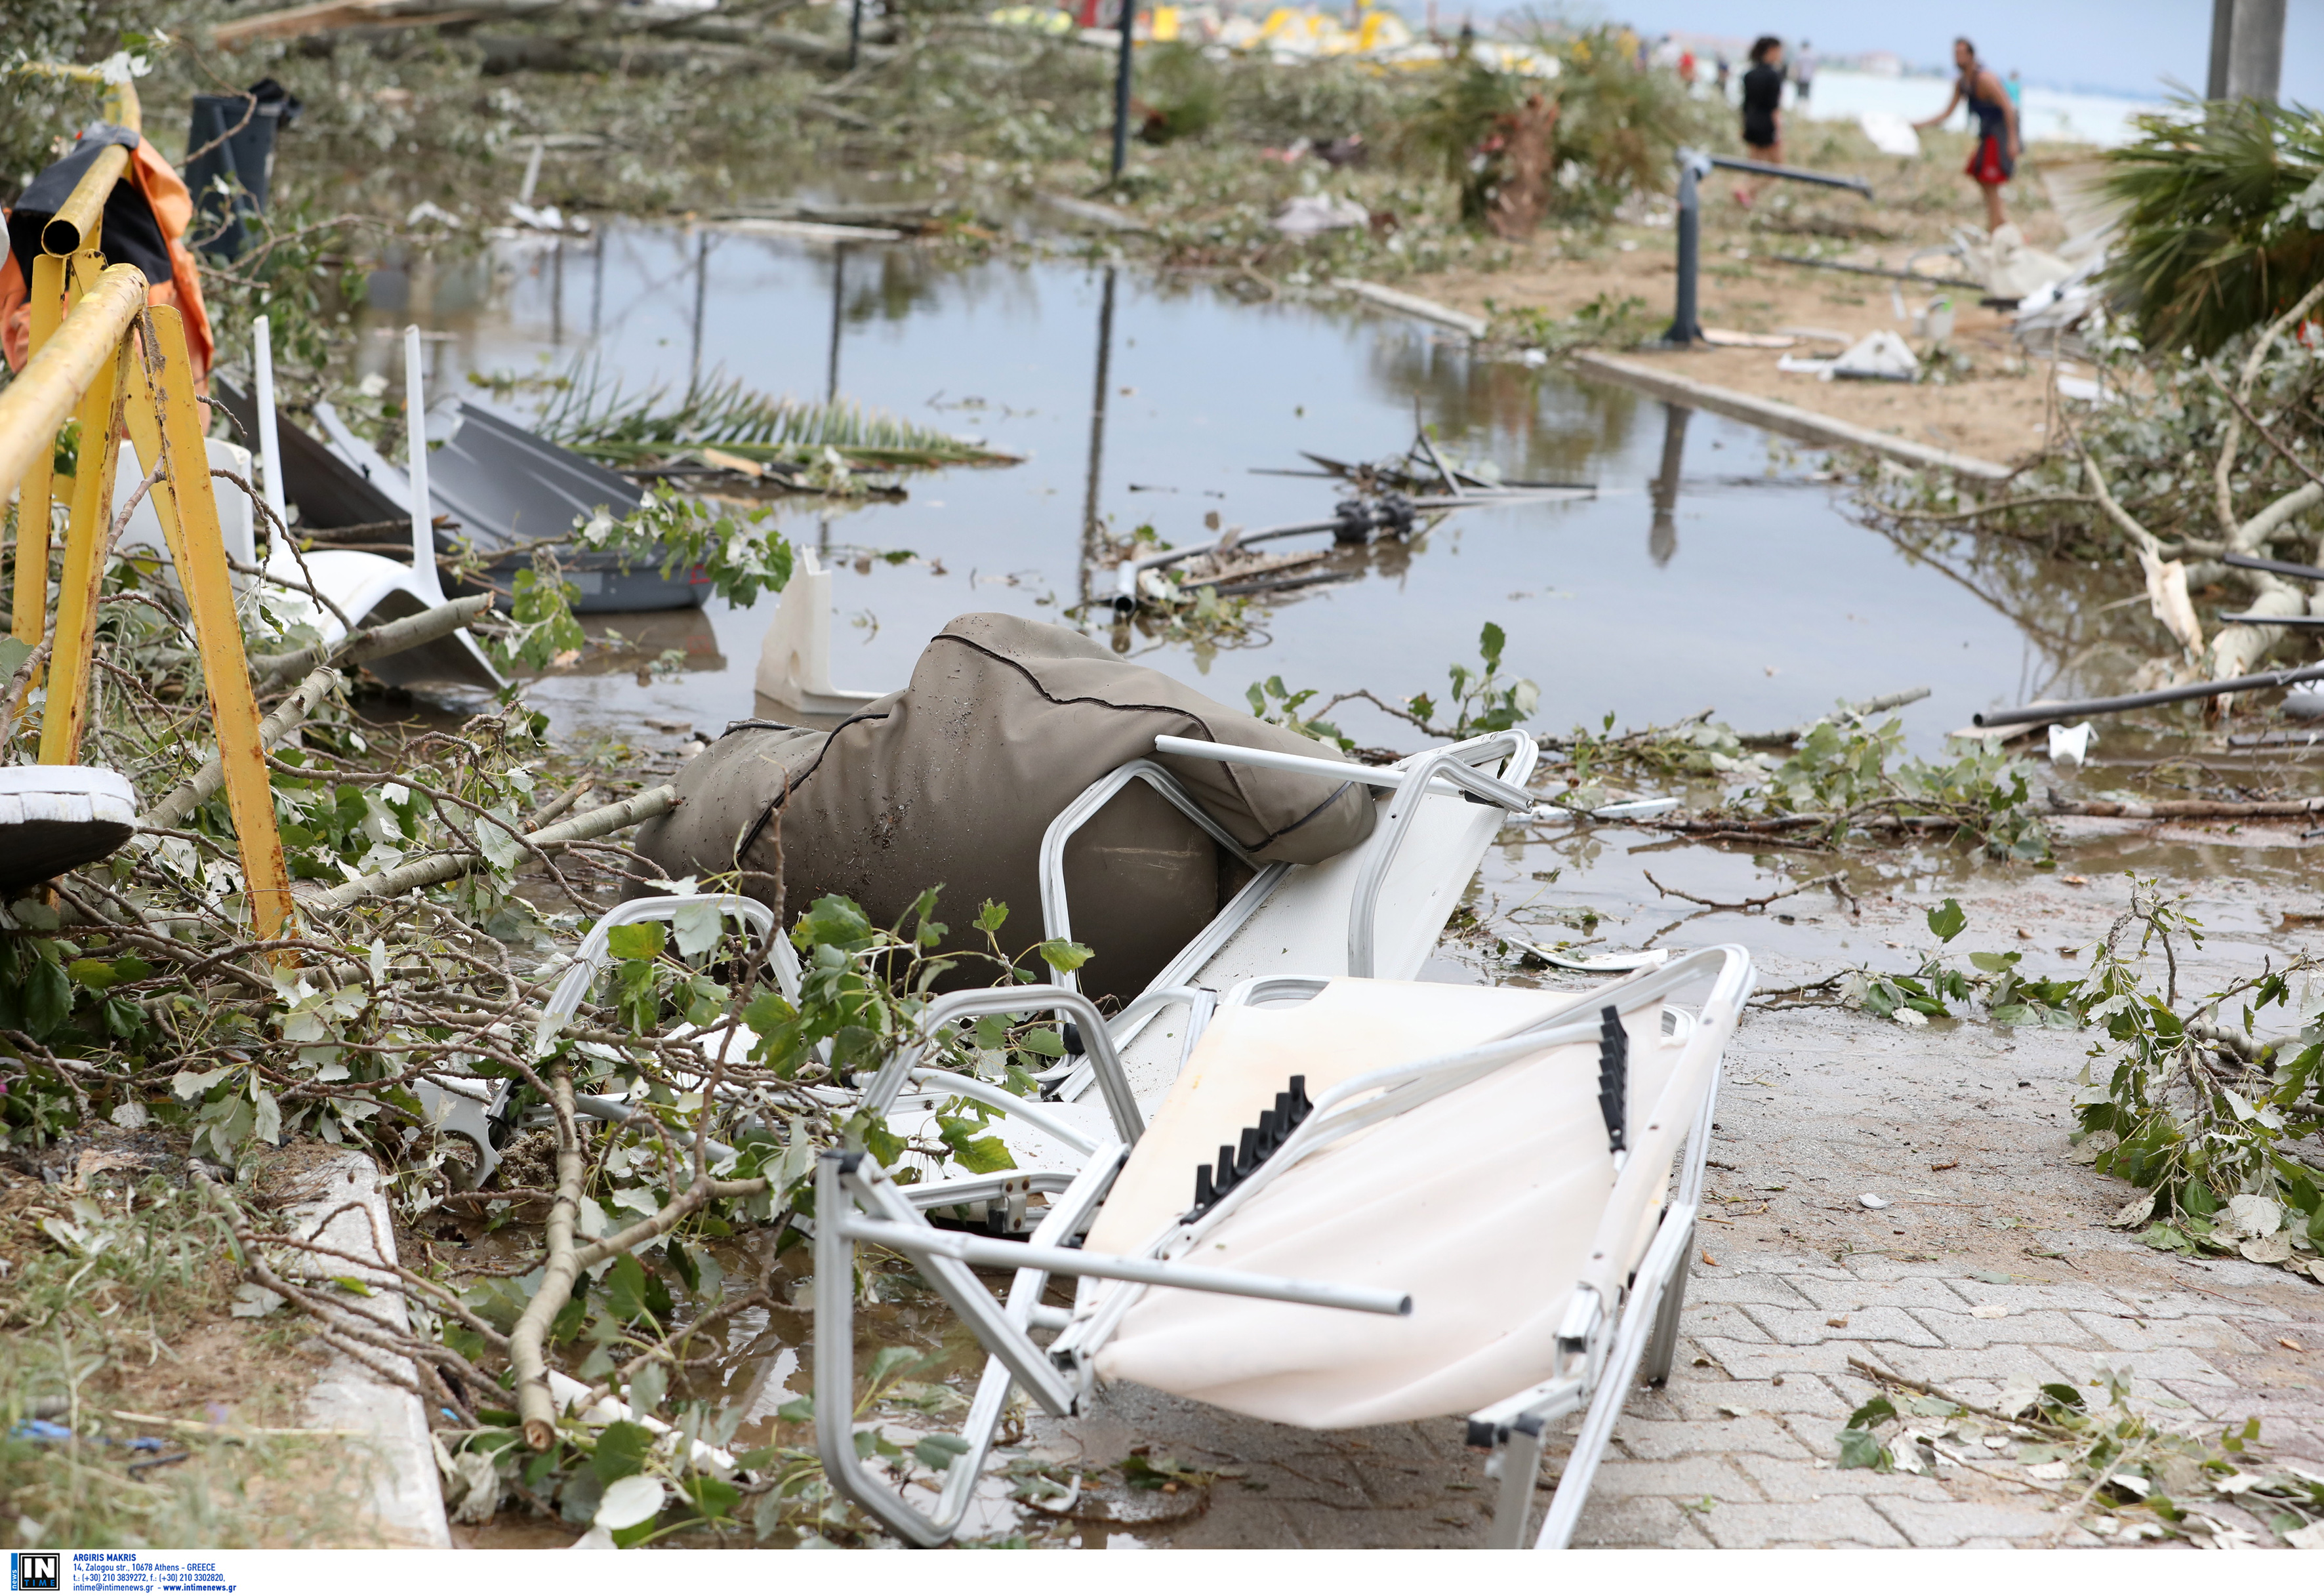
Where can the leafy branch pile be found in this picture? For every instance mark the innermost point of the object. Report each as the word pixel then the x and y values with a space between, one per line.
pixel 2120 1474
pixel 2216 1127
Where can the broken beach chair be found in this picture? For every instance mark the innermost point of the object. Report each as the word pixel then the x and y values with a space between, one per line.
pixel 1362 1203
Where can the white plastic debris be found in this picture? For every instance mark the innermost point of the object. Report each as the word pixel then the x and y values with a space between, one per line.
pixel 1880 355
pixel 2071 746
pixel 2305 701
pixel 1873 1200
pixel 1307 215
pixel 1891 132
pixel 2009 267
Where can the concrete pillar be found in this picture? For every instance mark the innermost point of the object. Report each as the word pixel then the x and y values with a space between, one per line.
pixel 2246 49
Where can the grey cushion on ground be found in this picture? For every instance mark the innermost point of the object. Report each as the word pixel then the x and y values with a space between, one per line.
pixel 954 781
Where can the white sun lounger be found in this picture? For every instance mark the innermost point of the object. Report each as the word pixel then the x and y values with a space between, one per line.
pixel 1363 1272
pixel 1375 911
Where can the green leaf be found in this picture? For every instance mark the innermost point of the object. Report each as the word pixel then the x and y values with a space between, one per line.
pixel 1876 1411
pixel 833 921
pixel 992 915
pixel 1490 643
pixel 1994 964
pixel 1860 1449
pixel 640 939
pixel 978 1155
pixel 1947 921
pixel 937 1451
pixel 625 1288
pixel 622 1449
pixel 1064 957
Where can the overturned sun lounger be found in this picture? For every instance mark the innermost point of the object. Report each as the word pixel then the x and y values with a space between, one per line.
pixel 1315 1227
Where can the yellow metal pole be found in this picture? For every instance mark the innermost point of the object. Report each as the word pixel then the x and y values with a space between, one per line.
pixel 86 534
pixel 79 222
pixel 41 398
pixel 29 616
pixel 161 389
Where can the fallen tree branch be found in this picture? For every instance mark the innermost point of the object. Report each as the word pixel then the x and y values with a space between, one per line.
pixel 1982 510
pixel 1836 881
pixel 2184 808
pixel 374 642
pixel 445 867
pixel 536 1407
pixel 197 789
pixel 1887 701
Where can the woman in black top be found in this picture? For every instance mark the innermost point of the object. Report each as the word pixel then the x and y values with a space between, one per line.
pixel 1763 114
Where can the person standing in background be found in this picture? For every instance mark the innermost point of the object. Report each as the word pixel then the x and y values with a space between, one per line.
pixel 1686 70
pixel 1994 162
pixel 2017 90
pixel 1803 74
pixel 1724 72
pixel 1763 111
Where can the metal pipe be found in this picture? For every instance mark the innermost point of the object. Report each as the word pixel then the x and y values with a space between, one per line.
pixel 961 1248
pixel 1879 271
pixel 1794 173
pixel 79 222
pixel 1121 90
pixel 2032 712
pixel 41 398
pixel 2281 567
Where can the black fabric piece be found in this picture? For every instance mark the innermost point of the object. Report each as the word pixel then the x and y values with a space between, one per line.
pixel 235 134
pixel 132 236
pixel 1763 96
pixel 1613 1076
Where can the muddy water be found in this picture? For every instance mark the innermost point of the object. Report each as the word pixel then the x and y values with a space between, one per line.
pixel 1716 566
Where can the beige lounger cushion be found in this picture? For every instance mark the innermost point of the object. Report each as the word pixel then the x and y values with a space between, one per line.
pixel 1481 1204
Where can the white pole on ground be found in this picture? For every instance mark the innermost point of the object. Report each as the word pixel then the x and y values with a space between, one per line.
pixel 415 431
pixel 270 437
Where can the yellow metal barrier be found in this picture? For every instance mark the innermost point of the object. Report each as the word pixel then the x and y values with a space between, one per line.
pixel 114 366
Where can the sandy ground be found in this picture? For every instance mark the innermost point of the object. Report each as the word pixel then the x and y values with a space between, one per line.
pixel 1986 398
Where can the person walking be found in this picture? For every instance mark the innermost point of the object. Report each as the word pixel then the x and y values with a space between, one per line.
pixel 1804 70
pixel 1763 111
pixel 1994 162
pixel 1723 71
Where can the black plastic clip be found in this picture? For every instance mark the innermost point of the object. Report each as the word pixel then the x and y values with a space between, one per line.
pixel 1613 1076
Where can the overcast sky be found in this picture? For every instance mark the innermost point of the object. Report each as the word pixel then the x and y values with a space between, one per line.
pixel 2126 46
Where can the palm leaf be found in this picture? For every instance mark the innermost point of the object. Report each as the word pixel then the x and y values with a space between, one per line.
pixel 594 416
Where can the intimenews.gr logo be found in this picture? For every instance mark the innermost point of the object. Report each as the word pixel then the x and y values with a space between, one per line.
pixel 36 1570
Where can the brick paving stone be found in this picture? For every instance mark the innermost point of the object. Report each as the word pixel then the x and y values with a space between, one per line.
pixel 2025 1295
pixel 2208 1331
pixel 2042 1328
pixel 1747 1361
pixel 1726 1437
pixel 1637 1521
pixel 1910 1291
pixel 1727 1286
pixel 2180 1304
pixel 1949 1523
pixel 1701 1398
pixel 1814 1328
pixel 2172 1365
pixel 1689 1477
pixel 1831 1521
pixel 1786 1482
pixel 1730 1320
pixel 1959 1369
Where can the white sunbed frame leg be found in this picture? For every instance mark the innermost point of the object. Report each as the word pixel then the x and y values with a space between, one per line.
pixel 840 1188
pixel 1656 1298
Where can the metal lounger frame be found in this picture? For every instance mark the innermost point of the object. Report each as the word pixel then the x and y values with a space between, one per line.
pixel 1451 767
pixel 1602 1352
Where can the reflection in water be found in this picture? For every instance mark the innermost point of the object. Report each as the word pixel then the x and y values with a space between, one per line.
pixel 1097 435
pixel 1663 542
pixel 1786 601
